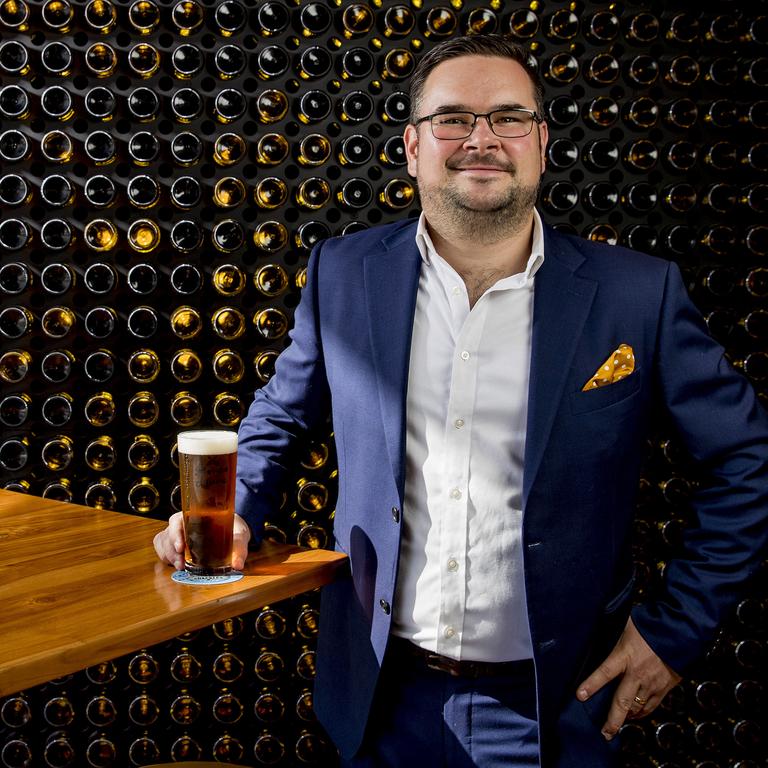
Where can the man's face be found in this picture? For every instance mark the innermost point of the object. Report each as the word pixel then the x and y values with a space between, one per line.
pixel 482 173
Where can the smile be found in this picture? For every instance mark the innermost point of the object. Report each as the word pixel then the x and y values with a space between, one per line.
pixel 482 171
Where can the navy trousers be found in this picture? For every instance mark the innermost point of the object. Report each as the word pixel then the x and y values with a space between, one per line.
pixel 426 718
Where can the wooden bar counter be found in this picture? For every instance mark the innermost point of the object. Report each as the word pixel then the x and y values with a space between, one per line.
pixel 79 586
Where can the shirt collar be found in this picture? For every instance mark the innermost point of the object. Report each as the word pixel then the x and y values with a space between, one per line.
pixel 535 260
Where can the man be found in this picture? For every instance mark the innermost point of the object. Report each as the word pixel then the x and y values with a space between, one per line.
pixel 490 383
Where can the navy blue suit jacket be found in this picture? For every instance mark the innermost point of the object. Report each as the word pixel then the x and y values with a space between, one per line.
pixel 350 355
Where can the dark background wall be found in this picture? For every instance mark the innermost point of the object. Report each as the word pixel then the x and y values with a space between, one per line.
pixel 151 262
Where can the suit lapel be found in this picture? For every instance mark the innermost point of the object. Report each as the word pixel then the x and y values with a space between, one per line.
pixel 560 307
pixel 391 283
pixel 562 301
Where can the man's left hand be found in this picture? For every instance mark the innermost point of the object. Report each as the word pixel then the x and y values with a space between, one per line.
pixel 645 680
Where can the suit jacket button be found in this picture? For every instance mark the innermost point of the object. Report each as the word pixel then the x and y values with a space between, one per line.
pixel 396 514
pixel 384 606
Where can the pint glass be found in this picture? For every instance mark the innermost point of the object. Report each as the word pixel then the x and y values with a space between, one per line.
pixel 207 463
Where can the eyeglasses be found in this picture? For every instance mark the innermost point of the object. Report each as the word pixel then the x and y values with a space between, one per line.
pixel 505 123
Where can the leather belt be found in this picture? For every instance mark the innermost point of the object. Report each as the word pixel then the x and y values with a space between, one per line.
pixel 455 668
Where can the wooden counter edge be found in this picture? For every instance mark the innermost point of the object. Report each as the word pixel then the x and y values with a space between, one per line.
pixel 44 667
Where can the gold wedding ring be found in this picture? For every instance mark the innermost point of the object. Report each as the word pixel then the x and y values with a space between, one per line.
pixel 641 701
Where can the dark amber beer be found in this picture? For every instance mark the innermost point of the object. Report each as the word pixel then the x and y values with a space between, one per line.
pixel 207 464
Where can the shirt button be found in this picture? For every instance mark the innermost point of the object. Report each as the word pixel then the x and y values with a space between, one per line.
pixel 384 605
pixel 396 514
pixel 459 423
pixel 453 565
pixel 449 632
pixel 455 290
pixel 464 355
pixel 455 493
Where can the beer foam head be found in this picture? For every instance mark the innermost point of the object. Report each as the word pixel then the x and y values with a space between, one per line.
pixel 207 442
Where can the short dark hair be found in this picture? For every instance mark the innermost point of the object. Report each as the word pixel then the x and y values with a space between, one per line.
pixel 473 45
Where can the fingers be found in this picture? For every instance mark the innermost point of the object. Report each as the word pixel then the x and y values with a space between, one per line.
pixel 176 530
pixel 645 680
pixel 612 667
pixel 621 706
pixel 640 691
pixel 169 544
pixel 639 702
pixel 643 704
pixel 241 535
pixel 166 551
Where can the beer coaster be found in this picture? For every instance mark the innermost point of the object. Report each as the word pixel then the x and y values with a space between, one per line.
pixel 182 577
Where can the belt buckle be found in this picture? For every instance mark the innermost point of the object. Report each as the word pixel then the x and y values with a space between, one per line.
pixel 441 664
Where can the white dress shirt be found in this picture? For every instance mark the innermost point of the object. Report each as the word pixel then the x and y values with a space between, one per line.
pixel 460 588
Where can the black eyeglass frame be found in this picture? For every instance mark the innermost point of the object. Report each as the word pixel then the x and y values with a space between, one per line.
pixel 535 118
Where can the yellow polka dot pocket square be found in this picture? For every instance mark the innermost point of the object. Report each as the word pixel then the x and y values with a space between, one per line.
pixel 617 367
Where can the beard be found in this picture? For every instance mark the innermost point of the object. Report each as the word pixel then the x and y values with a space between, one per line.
pixel 485 217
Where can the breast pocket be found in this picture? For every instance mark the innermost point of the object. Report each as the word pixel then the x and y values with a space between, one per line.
pixel 606 396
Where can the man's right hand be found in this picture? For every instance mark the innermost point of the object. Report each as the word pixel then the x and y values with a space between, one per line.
pixel 169 544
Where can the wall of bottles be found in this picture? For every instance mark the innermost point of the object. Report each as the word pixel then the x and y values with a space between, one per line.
pixel 167 167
